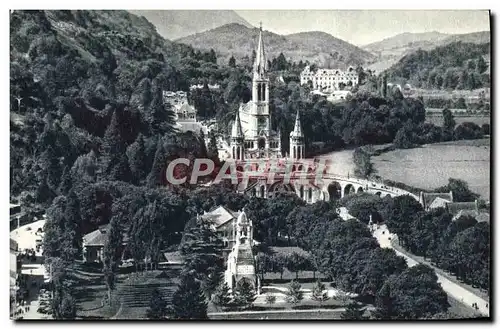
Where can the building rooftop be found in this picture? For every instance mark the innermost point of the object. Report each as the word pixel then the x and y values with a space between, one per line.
pixel 99 237
pixel 428 198
pixel 219 216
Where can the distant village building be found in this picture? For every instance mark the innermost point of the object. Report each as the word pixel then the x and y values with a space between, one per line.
pixel 185 114
pixel 432 201
pixel 200 86
pixel 329 78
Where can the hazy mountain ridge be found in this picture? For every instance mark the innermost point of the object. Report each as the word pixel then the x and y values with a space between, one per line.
pixel 174 24
pixel 316 47
pixel 391 50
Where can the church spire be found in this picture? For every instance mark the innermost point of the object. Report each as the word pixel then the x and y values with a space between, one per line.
pixel 260 64
pixel 237 131
pixel 297 130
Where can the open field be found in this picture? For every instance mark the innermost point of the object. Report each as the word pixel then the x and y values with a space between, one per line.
pixel 430 166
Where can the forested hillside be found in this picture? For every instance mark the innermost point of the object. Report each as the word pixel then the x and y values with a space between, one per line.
pixel 454 66
pixel 86 86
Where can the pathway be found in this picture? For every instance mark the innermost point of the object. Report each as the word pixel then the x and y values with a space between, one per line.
pixel 458 292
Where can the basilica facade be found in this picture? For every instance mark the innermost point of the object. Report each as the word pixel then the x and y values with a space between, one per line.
pixel 252 136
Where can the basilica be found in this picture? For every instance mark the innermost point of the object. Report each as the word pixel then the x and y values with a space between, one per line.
pixel 252 136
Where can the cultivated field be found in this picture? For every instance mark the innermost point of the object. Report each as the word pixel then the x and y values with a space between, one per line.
pixel 430 166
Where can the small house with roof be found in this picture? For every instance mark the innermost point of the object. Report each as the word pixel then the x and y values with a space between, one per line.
pixel 435 200
pixel 93 244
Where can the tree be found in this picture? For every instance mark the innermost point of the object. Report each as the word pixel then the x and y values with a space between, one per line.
pixel 270 299
pixel 221 296
pixel 295 263
pixel 72 245
pixel 481 65
pixel 319 294
pixel 294 295
pixel 403 139
pixel 244 294
pixel 112 254
pixel 113 145
pixel 460 190
pixel 66 181
pixel 448 124
pixel 354 311
pixel 157 306
pixel 155 177
pixel 188 301
pixel 136 154
pixel 413 294
pixel 66 309
pixel 485 129
pixel 160 117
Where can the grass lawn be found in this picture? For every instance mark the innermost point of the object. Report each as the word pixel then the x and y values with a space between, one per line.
pixel 130 299
pixel 430 166
pixel 90 291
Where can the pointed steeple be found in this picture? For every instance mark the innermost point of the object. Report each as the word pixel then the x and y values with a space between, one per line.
pixel 297 130
pixel 260 65
pixel 237 131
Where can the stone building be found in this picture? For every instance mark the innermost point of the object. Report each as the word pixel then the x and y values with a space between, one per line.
pixel 252 136
pixel 329 79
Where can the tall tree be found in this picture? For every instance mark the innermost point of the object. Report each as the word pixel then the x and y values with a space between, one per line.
pixel 113 145
pixel 188 301
pixel 160 117
pixel 244 294
pixel 221 297
pixel 66 181
pixel 155 177
pixel 157 306
pixel 294 295
pixel 112 254
pixel 319 293
pixel 232 62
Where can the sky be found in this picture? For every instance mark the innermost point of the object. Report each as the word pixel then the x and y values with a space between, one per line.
pixel 362 27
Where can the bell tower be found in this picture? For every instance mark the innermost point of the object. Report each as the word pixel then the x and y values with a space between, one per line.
pixel 260 89
pixel 297 140
pixel 237 139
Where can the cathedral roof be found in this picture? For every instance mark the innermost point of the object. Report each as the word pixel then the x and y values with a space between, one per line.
pixel 297 130
pixel 260 64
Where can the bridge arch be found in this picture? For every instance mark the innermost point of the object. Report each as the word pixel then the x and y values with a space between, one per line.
pixel 349 189
pixel 279 187
pixel 379 194
pixel 360 190
pixel 334 190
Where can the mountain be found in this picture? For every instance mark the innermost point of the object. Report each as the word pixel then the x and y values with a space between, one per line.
pixel 457 65
pixel 390 50
pixel 317 47
pixel 405 40
pixel 174 24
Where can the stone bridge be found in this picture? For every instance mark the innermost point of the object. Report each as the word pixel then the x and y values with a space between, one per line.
pixel 311 189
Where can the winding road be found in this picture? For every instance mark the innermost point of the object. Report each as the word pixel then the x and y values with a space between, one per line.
pixel 461 294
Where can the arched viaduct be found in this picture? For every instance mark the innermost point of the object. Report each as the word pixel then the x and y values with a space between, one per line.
pixel 329 187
